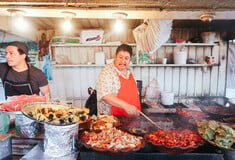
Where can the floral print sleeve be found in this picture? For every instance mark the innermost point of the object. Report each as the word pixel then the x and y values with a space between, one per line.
pixel 108 82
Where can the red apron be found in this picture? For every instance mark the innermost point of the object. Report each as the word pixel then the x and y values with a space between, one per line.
pixel 128 92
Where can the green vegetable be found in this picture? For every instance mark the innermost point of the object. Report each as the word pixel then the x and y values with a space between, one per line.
pixel 224 141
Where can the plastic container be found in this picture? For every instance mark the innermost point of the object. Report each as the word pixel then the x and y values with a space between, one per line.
pixel 99 58
pixel 208 37
pixel 180 57
pixel 167 98
pixel 152 91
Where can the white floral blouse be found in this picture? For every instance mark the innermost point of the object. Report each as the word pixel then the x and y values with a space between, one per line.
pixel 108 82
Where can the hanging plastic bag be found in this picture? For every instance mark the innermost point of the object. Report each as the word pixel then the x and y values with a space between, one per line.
pixel 47 67
pixel 4 122
pixel 152 34
pixel 152 91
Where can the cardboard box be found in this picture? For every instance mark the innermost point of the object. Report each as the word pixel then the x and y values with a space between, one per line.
pixel 92 36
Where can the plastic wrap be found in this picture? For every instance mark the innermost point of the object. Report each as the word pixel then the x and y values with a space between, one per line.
pixel 5 145
pixel 60 140
pixel 4 122
pixel 26 127
pixel 37 153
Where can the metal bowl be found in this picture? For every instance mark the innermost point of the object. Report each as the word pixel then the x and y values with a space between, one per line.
pixel 175 149
pixel 172 149
pixel 230 120
pixel 85 125
pixel 218 112
pixel 138 131
pixel 30 107
pixel 214 144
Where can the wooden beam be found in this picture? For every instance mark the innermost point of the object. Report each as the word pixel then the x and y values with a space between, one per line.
pixel 104 13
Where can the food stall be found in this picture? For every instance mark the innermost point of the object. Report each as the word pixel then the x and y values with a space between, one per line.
pixel 184 68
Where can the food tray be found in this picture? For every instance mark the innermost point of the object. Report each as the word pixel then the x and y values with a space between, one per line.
pixel 214 144
pixel 122 152
pixel 175 149
pixel 30 107
pixel 172 149
pixel 217 112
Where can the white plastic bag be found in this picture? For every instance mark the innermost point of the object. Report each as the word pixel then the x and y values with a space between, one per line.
pixel 152 91
pixel 150 35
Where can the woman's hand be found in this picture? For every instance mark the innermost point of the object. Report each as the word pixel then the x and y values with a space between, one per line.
pixel 112 100
pixel 132 110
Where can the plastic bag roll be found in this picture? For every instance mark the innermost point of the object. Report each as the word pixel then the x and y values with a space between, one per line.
pixel 5 147
pixel 25 126
pixel 60 140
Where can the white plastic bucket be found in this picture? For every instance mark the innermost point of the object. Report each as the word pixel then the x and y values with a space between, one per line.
pixel 167 98
pixel 208 37
pixel 180 57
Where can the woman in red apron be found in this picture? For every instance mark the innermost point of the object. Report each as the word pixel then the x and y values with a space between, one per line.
pixel 127 101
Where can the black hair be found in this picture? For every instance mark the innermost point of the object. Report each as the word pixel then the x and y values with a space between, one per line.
pixel 124 47
pixel 22 52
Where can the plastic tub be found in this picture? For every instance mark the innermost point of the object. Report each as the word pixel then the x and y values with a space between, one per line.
pixel 180 57
pixel 167 98
pixel 208 37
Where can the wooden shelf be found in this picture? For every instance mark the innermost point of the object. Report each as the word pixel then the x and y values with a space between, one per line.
pixel 131 44
pixel 190 44
pixel 139 65
pixel 90 45
pixel 175 65
pixel 77 65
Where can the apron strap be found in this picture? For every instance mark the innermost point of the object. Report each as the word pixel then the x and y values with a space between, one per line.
pixel 5 75
pixel 28 76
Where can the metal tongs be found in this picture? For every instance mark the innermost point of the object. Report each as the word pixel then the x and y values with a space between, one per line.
pixel 155 124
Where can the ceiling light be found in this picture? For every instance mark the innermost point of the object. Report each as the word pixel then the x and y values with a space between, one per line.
pixel 207 16
pixel 67 25
pixel 119 25
pixel 18 20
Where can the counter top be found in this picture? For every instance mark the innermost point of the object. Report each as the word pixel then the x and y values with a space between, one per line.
pixel 161 156
pixel 154 107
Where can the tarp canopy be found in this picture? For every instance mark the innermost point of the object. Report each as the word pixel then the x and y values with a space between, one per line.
pixel 6 37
